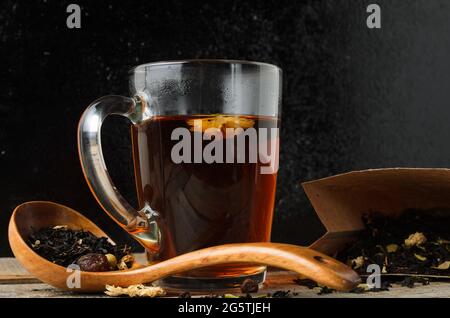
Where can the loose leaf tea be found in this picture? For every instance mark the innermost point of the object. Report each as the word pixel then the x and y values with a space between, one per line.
pixel 281 294
pixel 365 288
pixel 417 242
pixel 64 246
pixel 306 282
pixel 325 290
pixel 411 281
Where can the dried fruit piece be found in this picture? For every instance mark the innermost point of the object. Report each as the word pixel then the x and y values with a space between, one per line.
pixel 249 286
pixel 112 261
pixel 93 262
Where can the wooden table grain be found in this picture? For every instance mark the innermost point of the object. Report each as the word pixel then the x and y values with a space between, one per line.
pixel 19 284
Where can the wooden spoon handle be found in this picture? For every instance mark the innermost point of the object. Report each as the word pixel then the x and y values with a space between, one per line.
pixel 307 262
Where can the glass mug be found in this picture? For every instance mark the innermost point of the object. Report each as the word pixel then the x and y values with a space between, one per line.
pixel 205 148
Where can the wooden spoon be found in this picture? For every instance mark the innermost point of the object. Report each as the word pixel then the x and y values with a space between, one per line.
pixel 38 214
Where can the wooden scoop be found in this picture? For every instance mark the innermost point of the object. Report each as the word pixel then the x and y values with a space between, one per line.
pixel 38 214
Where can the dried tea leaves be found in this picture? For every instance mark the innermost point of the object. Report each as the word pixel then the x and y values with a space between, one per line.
pixel 310 284
pixel 411 281
pixel 281 294
pixel 415 243
pixel 64 246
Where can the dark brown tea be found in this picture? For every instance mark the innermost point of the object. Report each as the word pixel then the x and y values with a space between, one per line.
pixel 204 203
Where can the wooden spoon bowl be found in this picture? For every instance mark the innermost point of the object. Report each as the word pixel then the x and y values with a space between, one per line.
pixel 32 216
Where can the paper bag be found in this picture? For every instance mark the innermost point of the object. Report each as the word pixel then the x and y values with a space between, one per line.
pixel 341 200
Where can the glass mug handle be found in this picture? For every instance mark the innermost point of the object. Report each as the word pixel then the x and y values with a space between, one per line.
pixel 142 224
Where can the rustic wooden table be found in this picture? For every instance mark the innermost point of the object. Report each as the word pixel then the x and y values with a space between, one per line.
pixel 16 282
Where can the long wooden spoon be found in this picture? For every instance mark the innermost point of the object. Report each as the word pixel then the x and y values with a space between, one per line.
pixel 38 214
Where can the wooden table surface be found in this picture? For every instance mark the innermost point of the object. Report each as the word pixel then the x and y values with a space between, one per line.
pixel 16 282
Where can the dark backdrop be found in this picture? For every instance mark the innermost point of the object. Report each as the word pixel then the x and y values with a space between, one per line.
pixel 354 98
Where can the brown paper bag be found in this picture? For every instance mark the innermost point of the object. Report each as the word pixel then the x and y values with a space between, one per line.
pixel 341 200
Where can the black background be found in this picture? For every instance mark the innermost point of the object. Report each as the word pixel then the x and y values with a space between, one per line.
pixel 354 97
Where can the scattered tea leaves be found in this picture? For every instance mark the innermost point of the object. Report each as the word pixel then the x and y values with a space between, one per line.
pixel 365 288
pixel 410 281
pixel 325 290
pixel 282 294
pixel 211 296
pixel 306 282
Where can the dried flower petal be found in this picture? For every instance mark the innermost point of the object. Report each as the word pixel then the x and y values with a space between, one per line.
pixel 60 227
pixel 125 262
pixel 442 241
pixel 415 239
pixel 420 257
pixel 443 266
pixel 219 123
pixel 135 291
pixel 357 262
pixel 391 248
